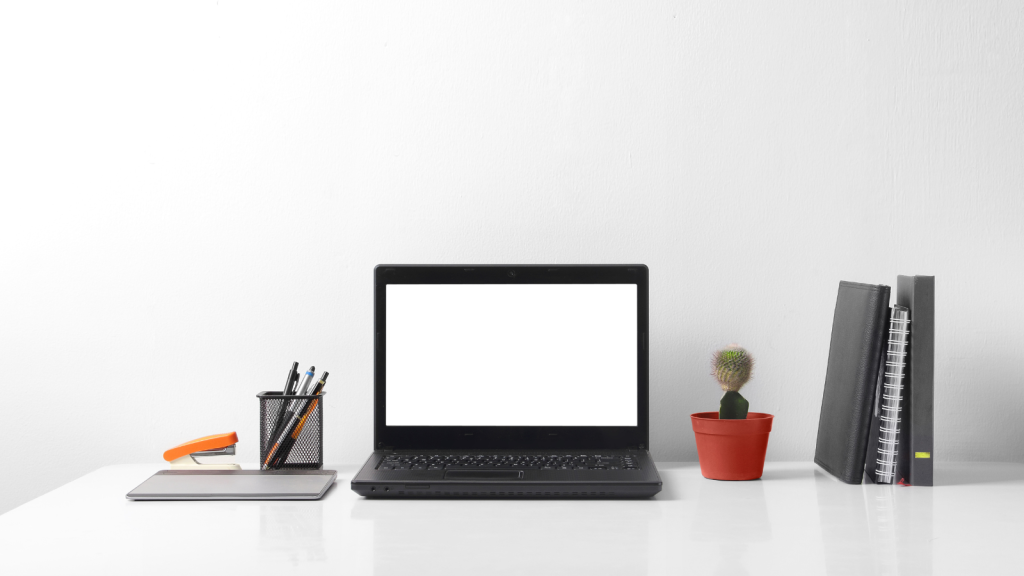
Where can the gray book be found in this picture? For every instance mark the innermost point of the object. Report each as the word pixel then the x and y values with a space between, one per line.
pixel 917 439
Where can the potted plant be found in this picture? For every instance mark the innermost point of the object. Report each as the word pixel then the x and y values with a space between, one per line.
pixel 732 442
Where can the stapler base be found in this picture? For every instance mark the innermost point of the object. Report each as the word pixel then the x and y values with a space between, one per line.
pixel 187 462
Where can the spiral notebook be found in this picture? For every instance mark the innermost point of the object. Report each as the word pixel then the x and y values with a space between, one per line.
pixel 883 445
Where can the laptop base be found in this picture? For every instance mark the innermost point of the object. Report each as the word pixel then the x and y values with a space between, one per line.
pixel 373 482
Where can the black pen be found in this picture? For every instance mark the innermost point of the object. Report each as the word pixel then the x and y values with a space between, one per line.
pixel 293 377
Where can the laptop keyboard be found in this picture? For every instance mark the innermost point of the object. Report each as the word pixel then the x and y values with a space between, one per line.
pixel 508 461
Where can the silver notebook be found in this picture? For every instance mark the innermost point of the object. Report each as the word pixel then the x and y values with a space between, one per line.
pixel 235 485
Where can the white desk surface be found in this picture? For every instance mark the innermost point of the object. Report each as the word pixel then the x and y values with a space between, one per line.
pixel 795 520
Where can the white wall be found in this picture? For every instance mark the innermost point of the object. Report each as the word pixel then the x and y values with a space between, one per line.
pixel 195 194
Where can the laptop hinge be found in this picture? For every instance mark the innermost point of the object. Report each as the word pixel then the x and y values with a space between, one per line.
pixel 634 448
pixel 385 448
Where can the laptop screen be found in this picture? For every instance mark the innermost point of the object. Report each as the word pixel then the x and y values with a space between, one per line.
pixel 511 355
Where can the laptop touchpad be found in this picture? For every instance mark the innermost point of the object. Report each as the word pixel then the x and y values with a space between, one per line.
pixel 483 475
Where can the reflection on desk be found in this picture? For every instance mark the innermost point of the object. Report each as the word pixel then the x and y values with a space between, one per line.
pixel 796 520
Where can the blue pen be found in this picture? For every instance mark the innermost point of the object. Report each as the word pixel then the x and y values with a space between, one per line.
pixel 307 380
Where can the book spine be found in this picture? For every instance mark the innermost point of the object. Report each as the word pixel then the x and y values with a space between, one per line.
pixel 892 395
pixel 917 453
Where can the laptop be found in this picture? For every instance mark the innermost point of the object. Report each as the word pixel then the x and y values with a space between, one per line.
pixel 510 382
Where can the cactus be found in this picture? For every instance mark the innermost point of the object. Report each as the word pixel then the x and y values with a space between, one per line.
pixel 733 367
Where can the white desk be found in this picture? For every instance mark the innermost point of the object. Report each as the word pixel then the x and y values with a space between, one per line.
pixel 796 520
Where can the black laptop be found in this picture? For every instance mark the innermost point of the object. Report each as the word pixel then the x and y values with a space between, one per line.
pixel 510 382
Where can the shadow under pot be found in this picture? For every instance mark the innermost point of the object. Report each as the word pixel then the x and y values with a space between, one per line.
pixel 731 449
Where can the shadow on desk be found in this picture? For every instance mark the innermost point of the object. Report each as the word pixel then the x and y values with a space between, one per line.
pixel 970 473
pixel 568 536
pixel 671 490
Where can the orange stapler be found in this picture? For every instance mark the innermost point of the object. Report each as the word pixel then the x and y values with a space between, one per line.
pixel 182 456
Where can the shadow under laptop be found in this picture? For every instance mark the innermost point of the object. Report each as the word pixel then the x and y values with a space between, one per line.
pixel 508 536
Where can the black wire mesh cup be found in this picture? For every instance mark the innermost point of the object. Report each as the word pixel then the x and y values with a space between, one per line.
pixel 307 452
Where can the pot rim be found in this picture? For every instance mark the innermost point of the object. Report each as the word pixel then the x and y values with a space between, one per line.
pixel 708 423
pixel 705 416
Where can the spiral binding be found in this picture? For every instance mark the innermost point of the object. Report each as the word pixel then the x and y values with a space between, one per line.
pixel 895 367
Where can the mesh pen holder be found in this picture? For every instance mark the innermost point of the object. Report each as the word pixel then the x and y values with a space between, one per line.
pixel 308 450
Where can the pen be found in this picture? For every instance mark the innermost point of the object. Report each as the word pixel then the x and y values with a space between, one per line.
pixel 293 376
pixel 290 406
pixel 290 432
pixel 293 379
pixel 320 385
pixel 307 379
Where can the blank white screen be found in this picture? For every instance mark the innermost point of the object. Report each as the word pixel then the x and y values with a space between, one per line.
pixel 511 355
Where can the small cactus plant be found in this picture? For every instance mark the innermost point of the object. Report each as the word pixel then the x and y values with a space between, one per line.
pixel 733 366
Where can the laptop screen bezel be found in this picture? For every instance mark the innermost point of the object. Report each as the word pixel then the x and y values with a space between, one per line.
pixel 509 437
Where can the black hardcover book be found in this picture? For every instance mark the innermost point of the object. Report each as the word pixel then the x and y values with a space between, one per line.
pixel 914 462
pixel 859 332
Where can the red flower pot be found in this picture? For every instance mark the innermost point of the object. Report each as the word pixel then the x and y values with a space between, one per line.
pixel 731 449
